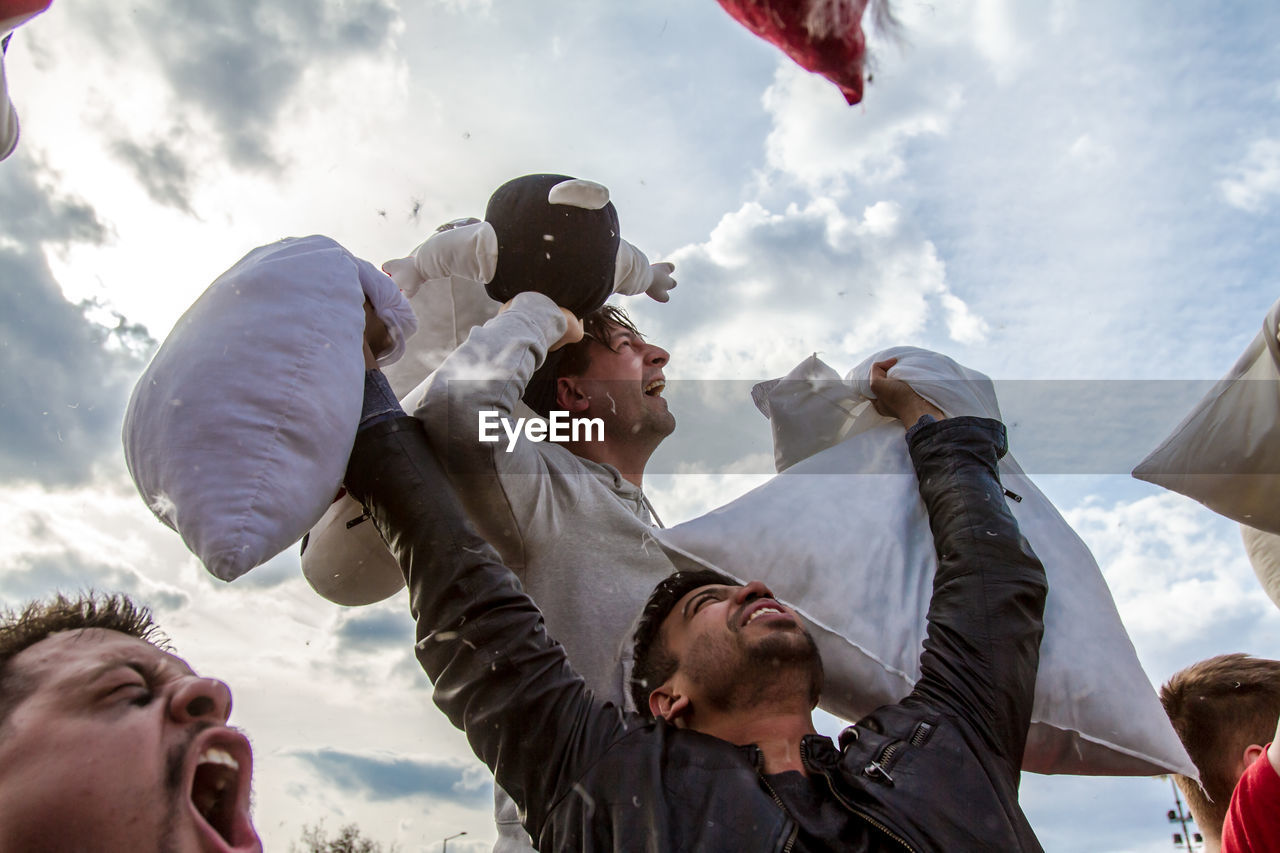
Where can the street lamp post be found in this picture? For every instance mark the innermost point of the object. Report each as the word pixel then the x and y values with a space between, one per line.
pixel 1185 838
pixel 444 843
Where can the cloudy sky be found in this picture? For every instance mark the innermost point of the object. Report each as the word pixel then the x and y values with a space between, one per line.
pixel 1048 191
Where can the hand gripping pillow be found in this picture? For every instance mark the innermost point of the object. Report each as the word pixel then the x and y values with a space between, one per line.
pixel 843 536
pixel 237 435
pixel 1226 452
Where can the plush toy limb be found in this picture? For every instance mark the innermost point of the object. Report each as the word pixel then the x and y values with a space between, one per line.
pixel 634 274
pixel 468 251
pixel 662 281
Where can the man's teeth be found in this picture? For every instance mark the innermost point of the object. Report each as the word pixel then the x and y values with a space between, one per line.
pixel 214 755
pixel 761 612
pixel 655 387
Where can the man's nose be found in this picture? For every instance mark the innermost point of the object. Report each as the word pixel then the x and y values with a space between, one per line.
pixel 198 699
pixel 752 591
pixel 656 356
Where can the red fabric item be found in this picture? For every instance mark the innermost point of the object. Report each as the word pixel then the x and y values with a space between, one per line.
pixel 823 36
pixel 15 13
pixel 1253 820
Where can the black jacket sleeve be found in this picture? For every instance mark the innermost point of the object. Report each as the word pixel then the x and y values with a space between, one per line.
pixel 985 621
pixel 480 638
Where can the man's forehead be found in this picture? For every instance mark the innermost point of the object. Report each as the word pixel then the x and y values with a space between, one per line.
pixel 72 654
pixel 613 331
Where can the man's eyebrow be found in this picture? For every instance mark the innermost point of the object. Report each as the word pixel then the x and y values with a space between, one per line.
pixel 151 671
pixel 109 666
pixel 620 334
pixel 705 591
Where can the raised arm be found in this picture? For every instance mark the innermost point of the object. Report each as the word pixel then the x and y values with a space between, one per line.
pixel 985 621
pixel 480 639
pixel 504 491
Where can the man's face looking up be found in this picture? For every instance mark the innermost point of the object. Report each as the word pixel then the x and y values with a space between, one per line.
pixel 117 745
pixel 738 647
pixel 622 384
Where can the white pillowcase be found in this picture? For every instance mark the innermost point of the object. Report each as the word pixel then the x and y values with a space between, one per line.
pixel 238 433
pixel 1226 452
pixel 843 536
pixel 1264 554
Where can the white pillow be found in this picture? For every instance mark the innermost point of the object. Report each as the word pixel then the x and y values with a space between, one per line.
pixel 345 560
pixel 1226 452
pixel 844 537
pixel 1264 554
pixel 237 435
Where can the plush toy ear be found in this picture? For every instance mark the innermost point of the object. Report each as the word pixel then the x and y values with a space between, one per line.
pixel 556 235
pixel 587 195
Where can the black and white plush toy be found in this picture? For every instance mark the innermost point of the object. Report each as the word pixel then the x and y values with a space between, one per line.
pixel 547 233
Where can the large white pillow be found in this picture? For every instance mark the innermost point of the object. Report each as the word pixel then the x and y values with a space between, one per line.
pixel 843 536
pixel 237 435
pixel 1226 452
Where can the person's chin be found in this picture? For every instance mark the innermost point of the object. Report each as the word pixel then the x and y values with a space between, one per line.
pixel 789 642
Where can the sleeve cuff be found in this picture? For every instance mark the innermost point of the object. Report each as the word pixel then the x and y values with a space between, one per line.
pixel 924 421
pixel 380 402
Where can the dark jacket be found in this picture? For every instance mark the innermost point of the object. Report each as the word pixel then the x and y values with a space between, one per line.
pixel 936 771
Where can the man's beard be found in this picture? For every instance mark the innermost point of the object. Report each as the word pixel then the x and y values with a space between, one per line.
pixel 777 669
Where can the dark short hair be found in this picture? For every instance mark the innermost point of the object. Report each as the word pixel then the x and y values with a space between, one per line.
pixel 36 621
pixel 1219 707
pixel 652 663
pixel 573 359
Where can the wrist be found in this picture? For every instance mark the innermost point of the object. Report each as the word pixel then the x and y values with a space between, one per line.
pixel 919 409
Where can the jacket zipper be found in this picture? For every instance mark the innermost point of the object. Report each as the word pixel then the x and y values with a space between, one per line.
pixel 881 765
pixel 795 827
pixel 804 756
pixel 921 734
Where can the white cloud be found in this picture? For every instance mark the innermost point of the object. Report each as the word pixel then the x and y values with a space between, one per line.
pixel 820 144
pixel 1255 180
pixel 867 281
pixel 1180 579
pixel 1088 152
pixel 996 36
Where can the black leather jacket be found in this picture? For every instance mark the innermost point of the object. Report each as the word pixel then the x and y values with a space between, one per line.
pixel 937 771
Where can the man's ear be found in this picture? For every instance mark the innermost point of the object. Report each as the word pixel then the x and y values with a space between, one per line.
pixel 666 703
pixel 570 397
pixel 1251 753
